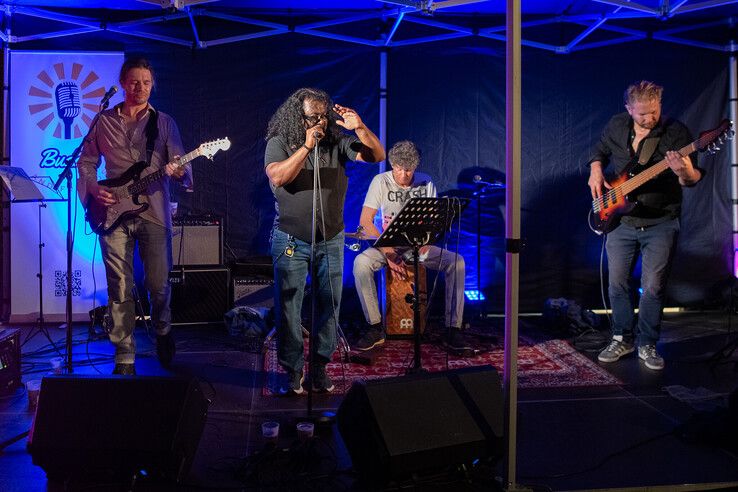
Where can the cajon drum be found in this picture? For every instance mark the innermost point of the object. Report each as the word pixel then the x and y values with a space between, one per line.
pixel 399 314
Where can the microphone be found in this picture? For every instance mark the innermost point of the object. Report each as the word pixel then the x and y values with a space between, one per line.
pixel 478 180
pixel 111 92
pixel 317 135
pixel 68 105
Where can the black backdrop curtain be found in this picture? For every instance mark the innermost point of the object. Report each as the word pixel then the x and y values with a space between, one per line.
pixel 448 97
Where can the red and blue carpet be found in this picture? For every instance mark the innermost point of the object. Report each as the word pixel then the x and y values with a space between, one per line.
pixel 553 363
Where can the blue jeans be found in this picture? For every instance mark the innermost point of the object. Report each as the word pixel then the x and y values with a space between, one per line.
pixel 154 246
pixel 290 275
pixel 656 244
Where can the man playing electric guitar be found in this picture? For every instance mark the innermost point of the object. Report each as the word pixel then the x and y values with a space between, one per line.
pixel 631 142
pixel 126 134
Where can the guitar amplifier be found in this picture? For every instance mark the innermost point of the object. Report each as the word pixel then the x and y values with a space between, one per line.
pixel 10 361
pixel 197 241
pixel 253 291
pixel 200 295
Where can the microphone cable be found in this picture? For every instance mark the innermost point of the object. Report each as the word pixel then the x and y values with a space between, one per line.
pixel 340 336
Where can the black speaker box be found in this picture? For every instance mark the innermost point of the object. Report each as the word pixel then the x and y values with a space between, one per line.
pixel 94 426
pixel 199 294
pixel 400 426
pixel 10 361
pixel 197 242
pixel 253 291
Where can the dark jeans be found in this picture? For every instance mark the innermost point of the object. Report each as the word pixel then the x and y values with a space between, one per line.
pixel 154 246
pixel 290 275
pixel 656 245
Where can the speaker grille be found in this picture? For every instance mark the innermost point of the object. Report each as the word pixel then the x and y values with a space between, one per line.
pixel 197 244
pixel 253 291
pixel 199 295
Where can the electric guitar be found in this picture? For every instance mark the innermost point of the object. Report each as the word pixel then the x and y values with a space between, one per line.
pixel 606 211
pixel 127 187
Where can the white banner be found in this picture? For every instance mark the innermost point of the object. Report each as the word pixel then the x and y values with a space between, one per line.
pixel 53 99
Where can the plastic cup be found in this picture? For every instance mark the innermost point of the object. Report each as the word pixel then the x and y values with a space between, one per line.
pixel 305 430
pixel 33 387
pixel 57 365
pixel 270 430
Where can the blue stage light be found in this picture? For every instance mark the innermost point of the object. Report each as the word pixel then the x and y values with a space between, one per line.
pixel 474 295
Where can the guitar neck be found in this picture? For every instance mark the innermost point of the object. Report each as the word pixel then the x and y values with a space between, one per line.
pixel 143 183
pixel 653 171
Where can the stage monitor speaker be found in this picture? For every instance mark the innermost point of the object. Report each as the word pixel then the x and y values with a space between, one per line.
pixel 113 426
pixel 253 291
pixel 199 294
pixel 401 426
pixel 197 241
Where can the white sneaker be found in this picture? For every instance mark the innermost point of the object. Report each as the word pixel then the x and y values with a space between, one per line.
pixel 652 358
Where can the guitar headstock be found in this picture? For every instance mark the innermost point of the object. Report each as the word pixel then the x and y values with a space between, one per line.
pixel 209 149
pixel 711 140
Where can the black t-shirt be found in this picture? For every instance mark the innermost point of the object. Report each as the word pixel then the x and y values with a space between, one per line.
pixel 294 200
pixel 659 199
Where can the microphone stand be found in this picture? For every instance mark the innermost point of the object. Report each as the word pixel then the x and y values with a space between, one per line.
pixel 483 186
pixel 313 280
pixel 66 174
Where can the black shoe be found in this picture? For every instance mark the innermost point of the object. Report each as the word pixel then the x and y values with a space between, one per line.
pixel 320 380
pixel 165 349
pixel 455 340
pixel 373 337
pixel 124 369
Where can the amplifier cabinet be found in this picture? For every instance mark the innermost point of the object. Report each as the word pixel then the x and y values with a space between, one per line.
pixel 253 291
pixel 197 242
pixel 10 360
pixel 200 295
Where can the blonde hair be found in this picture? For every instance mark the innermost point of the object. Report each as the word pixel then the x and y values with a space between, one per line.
pixel 644 90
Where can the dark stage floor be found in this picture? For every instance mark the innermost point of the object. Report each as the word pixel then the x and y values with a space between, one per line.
pixel 581 438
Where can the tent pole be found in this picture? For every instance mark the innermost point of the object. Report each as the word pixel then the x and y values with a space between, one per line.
pixel 733 108
pixel 512 235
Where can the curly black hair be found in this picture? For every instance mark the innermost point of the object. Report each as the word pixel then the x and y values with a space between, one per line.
pixel 287 121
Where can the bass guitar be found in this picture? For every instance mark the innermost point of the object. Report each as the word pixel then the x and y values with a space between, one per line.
pixel 606 211
pixel 127 187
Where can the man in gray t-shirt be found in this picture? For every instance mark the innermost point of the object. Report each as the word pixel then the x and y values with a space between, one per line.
pixel 387 194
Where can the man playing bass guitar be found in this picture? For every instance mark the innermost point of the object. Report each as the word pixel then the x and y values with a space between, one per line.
pixel 131 132
pixel 630 143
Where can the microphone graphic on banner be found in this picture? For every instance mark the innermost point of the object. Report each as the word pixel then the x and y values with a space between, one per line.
pixel 68 105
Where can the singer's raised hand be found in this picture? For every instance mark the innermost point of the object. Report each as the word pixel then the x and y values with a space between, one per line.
pixel 351 120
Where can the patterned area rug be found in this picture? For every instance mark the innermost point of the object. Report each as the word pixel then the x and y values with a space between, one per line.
pixel 549 364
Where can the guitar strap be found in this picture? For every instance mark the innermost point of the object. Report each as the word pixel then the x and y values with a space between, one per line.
pixel 152 133
pixel 647 150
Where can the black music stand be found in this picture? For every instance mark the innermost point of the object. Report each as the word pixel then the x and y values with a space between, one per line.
pixel 23 189
pixel 420 222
